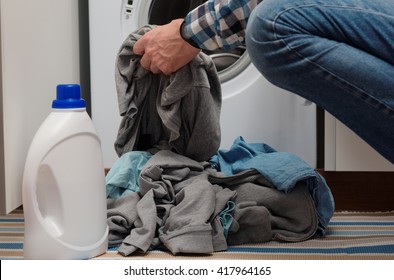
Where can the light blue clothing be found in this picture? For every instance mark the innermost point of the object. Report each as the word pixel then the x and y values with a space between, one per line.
pixel 226 217
pixel 284 170
pixel 338 54
pixel 123 176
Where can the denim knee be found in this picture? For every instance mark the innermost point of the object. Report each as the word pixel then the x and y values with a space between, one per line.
pixel 262 45
pixel 334 54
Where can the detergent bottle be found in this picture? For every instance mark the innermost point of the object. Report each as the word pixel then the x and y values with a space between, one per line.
pixel 64 199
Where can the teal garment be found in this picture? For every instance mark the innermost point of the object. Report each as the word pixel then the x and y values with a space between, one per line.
pixel 226 217
pixel 123 176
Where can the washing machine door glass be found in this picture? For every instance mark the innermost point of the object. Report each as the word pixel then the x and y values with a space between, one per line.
pixel 228 63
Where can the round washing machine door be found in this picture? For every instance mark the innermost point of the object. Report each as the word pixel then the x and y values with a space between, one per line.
pixel 137 13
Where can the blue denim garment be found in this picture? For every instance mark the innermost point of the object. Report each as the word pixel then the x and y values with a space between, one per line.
pixel 284 170
pixel 123 176
pixel 338 54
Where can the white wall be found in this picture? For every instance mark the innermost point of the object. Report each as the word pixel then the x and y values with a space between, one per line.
pixel 39 49
pixel 345 151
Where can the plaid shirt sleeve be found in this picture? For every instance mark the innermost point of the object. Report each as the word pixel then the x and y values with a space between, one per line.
pixel 219 23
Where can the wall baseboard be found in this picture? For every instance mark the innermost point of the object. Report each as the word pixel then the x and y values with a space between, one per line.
pixel 361 191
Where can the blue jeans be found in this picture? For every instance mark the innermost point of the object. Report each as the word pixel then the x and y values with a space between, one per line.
pixel 338 54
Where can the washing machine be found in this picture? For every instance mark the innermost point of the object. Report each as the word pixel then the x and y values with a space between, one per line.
pixel 252 107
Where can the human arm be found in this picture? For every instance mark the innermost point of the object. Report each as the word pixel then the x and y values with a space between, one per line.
pixel 164 50
pixel 214 24
pixel 219 24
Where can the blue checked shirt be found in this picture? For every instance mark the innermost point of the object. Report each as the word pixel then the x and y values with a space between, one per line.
pixel 219 23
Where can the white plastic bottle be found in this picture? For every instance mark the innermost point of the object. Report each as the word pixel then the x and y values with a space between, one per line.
pixel 64 199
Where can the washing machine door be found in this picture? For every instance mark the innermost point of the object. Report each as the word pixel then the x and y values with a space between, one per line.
pixel 137 13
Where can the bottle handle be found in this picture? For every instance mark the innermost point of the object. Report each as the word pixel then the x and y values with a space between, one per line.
pixel 49 201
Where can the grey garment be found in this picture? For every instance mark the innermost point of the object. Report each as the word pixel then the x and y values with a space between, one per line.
pixel 176 206
pixel 191 225
pixel 263 213
pixel 180 112
pixel 128 227
pixel 180 200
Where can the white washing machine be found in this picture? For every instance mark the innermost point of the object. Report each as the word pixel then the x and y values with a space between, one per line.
pixel 252 107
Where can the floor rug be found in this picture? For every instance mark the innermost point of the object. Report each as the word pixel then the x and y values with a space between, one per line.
pixel 350 235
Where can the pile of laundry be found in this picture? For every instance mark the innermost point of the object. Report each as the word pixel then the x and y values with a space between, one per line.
pixel 173 188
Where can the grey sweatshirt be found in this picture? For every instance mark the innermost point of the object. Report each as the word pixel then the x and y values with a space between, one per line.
pixel 180 112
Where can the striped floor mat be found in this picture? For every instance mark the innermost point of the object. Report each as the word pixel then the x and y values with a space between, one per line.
pixel 350 235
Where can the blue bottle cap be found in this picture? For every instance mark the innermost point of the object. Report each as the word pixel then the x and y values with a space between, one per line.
pixel 68 96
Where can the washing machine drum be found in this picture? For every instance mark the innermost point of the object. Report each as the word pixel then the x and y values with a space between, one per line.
pixel 162 12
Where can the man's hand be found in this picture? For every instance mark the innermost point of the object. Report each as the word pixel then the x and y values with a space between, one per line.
pixel 163 50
